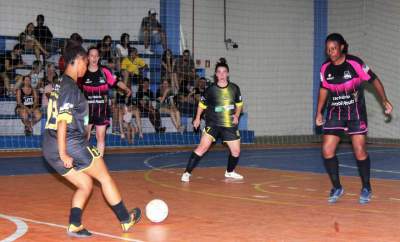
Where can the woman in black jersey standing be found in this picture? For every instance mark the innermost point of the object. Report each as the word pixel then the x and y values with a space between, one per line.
pixel 341 95
pixel 67 150
pixel 222 104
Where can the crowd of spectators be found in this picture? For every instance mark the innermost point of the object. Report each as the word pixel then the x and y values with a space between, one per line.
pixel 178 89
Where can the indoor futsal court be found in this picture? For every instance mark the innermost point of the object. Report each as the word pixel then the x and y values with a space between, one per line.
pixel 217 120
pixel 282 198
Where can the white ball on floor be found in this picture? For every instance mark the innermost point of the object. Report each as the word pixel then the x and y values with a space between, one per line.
pixel 156 210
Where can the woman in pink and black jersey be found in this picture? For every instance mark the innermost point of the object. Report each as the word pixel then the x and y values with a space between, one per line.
pixel 95 84
pixel 341 95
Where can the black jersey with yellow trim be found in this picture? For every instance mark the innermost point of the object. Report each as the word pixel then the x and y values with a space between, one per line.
pixel 220 104
pixel 68 103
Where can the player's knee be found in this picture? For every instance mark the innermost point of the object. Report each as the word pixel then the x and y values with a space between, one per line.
pixel 235 152
pixel 360 154
pixel 86 185
pixel 328 152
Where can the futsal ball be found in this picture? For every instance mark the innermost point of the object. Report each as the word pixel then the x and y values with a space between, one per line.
pixel 156 210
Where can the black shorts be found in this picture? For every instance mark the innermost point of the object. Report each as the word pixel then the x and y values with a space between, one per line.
pixel 350 127
pixel 120 99
pixel 99 114
pixel 225 133
pixel 81 151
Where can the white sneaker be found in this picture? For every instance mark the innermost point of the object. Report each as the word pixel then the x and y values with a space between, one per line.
pixel 148 52
pixel 186 177
pixel 233 175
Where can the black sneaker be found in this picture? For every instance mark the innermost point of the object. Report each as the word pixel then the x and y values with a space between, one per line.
pixel 79 232
pixel 135 216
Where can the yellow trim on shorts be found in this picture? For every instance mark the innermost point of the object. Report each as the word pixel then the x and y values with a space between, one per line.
pixel 66 173
pixel 212 137
pixel 94 157
pixel 90 165
pixel 230 140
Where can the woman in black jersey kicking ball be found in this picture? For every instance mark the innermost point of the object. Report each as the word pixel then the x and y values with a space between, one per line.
pixel 67 150
pixel 341 95
pixel 222 104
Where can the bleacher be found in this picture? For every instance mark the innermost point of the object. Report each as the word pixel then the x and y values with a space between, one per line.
pixel 12 130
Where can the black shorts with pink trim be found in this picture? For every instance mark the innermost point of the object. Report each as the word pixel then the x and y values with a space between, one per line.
pixel 350 127
pixel 99 114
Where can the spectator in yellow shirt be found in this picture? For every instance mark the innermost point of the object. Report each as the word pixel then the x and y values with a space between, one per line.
pixel 134 65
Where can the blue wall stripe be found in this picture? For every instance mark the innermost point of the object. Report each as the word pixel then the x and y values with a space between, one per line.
pixel 320 32
pixel 170 20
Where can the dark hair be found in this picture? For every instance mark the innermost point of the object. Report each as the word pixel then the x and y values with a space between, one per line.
pixel 220 63
pixel 26 28
pixel 21 37
pixel 72 51
pixel 93 47
pixel 106 37
pixel 164 55
pixel 123 36
pixel 131 49
pixel 75 37
pixel 40 16
pixel 18 47
pixel 339 39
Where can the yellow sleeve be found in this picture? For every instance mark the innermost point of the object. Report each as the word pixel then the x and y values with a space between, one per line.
pixel 239 104
pixel 124 64
pixel 141 63
pixel 202 105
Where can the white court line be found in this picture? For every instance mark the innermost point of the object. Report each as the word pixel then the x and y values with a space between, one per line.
pixel 64 227
pixel 375 170
pixel 22 228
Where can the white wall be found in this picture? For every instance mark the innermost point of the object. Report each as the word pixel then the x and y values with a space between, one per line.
pixel 91 18
pixel 371 27
pixel 273 64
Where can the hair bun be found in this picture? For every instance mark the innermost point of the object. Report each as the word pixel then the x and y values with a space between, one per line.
pixel 222 60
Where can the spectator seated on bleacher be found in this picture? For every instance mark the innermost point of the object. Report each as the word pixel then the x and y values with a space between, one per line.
pixel 36 74
pixel 166 104
pixel 106 51
pixel 122 48
pixel 134 65
pixel 12 61
pixel 168 70
pixel 145 97
pixel 28 105
pixel 31 44
pixel 152 32
pixel 184 69
pixel 186 99
pixel 122 102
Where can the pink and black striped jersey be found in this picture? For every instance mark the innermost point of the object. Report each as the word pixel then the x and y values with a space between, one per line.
pixel 345 85
pixel 96 85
